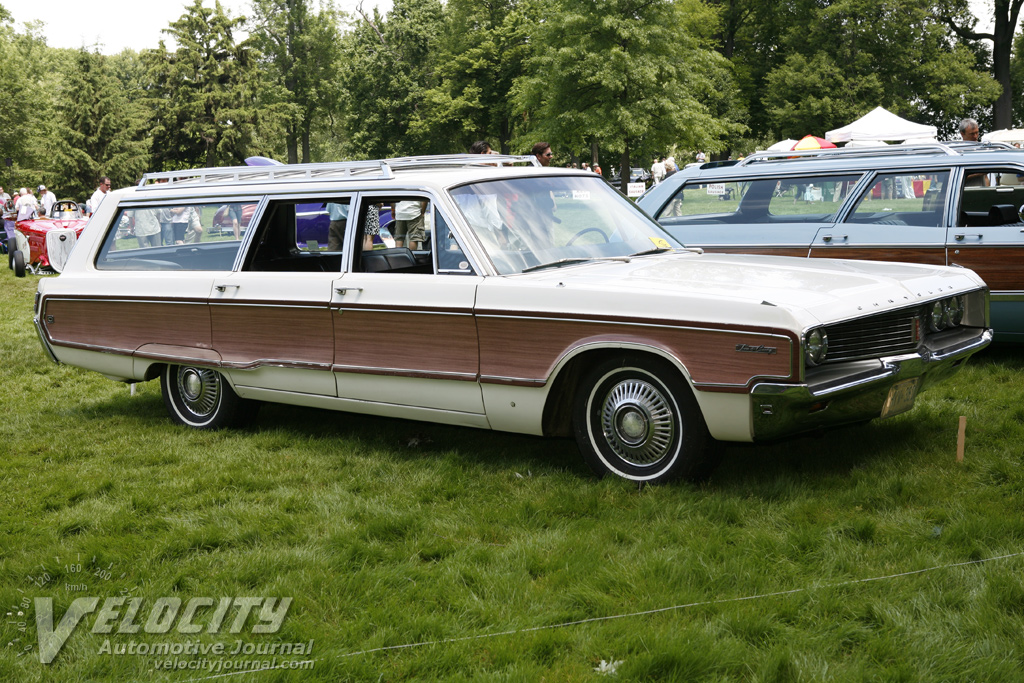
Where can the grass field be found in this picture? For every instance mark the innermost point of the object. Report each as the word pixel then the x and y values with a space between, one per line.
pixel 488 550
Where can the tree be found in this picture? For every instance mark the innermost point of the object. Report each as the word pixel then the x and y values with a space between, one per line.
pixel 628 74
pixel 205 94
pixel 300 48
pixel 847 57
pixel 958 16
pixel 386 73
pixel 481 53
pixel 99 131
pixel 27 107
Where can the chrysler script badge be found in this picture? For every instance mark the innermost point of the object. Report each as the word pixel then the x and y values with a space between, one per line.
pixel 747 348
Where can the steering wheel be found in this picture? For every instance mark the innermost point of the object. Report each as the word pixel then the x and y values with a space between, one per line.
pixel 583 232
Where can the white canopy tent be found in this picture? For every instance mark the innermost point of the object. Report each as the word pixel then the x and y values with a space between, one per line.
pixel 879 125
pixel 1007 136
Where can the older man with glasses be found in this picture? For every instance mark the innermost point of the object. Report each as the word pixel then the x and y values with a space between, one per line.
pixel 542 151
pixel 97 196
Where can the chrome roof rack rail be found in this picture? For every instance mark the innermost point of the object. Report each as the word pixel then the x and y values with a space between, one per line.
pixel 851 152
pixel 380 169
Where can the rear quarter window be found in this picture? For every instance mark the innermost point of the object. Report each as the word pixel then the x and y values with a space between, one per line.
pixel 180 236
pixel 767 200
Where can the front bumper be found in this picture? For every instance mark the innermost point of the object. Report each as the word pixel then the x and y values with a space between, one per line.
pixel 857 391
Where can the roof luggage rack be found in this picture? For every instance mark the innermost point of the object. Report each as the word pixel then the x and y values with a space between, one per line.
pixel 851 152
pixel 951 148
pixel 380 169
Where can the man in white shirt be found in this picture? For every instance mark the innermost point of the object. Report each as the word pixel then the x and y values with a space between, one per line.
pixel 47 199
pixel 26 205
pixel 658 170
pixel 97 196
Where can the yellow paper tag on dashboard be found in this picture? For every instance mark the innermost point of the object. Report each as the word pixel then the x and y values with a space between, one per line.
pixel 660 243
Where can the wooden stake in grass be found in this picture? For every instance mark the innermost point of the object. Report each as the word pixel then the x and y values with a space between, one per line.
pixel 961 435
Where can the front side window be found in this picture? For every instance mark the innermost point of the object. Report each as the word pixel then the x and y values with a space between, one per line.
pixel 394 234
pixel 912 198
pixel 991 196
pixel 179 236
pixel 528 222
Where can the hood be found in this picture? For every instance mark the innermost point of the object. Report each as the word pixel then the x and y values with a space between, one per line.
pixel 47 224
pixel 760 289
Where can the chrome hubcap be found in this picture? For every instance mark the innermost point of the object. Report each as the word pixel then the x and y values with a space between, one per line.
pixel 199 389
pixel 637 422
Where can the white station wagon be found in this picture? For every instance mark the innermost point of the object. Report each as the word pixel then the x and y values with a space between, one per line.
pixel 490 292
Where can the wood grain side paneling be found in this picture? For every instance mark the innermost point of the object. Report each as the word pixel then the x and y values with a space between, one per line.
pixel 933 256
pixel 248 334
pixel 419 342
pixel 529 349
pixel 126 325
pixel 1002 268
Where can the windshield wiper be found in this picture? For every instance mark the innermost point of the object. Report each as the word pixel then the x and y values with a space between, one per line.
pixel 655 250
pixel 575 259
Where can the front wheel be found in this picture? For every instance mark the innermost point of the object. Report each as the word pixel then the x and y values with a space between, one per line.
pixel 635 417
pixel 201 398
pixel 18 261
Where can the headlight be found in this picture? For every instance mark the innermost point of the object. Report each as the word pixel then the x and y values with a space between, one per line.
pixel 937 316
pixel 956 310
pixel 815 346
pixel 946 313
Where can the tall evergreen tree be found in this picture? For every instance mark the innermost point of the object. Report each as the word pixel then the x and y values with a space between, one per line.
pixel 205 94
pixel 99 131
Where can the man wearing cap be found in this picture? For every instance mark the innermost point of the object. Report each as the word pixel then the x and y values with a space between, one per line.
pixel 47 199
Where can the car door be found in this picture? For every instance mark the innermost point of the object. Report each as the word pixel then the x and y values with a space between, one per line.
pixel 404 329
pixel 776 215
pixel 271 319
pixel 897 216
pixel 987 236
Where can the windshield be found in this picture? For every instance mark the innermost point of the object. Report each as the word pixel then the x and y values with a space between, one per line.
pixel 529 222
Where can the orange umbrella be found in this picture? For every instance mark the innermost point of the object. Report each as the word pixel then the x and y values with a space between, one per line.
pixel 812 142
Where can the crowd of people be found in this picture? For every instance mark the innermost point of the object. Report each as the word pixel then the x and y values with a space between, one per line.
pixel 25 205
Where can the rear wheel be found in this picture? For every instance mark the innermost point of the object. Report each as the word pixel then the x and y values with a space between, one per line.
pixel 18 261
pixel 201 398
pixel 12 246
pixel 635 417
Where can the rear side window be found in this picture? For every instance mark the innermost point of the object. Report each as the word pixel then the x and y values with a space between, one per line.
pixel 903 199
pixel 766 200
pixel 181 236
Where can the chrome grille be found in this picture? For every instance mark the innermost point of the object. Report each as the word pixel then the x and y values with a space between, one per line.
pixel 886 334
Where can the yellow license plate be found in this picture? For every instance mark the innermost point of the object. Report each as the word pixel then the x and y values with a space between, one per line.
pixel 900 398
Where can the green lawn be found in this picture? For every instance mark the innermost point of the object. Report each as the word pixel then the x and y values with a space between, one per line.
pixel 388 533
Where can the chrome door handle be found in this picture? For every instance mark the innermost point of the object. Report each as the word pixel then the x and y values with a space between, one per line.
pixel 828 238
pixel 960 238
pixel 345 290
pixel 221 288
